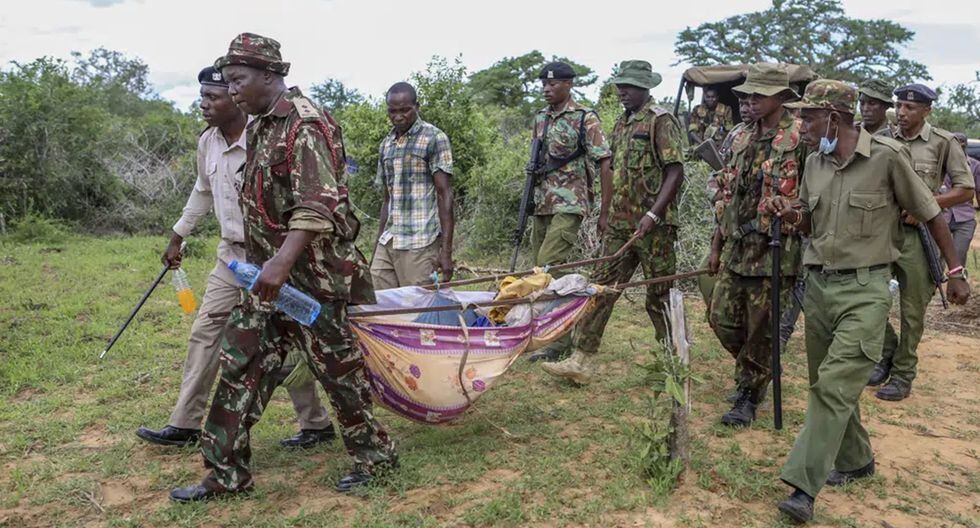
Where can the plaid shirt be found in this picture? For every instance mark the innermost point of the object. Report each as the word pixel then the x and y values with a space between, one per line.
pixel 405 167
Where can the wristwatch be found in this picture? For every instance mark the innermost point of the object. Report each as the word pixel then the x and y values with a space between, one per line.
pixel 653 216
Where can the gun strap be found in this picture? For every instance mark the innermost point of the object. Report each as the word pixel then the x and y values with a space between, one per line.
pixel 554 164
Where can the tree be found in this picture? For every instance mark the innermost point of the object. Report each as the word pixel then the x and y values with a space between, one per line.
pixel 512 82
pixel 815 33
pixel 446 103
pixel 332 94
pixel 958 109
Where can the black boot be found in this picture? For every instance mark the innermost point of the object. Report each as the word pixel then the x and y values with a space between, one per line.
pixel 170 436
pixel 743 412
pixel 895 390
pixel 880 373
pixel 309 437
pixel 357 478
pixel 798 507
pixel 200 493
pixel 839 478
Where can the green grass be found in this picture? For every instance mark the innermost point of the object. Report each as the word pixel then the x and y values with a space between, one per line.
pixel 533 452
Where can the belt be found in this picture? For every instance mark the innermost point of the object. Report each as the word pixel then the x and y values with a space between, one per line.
pixel 852 271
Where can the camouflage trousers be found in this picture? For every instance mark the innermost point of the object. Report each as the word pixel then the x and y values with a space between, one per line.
pixel 655 254
pixel 255 345
pixel 740 311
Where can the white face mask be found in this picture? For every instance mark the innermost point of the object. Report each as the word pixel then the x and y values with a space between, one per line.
pixel 827 146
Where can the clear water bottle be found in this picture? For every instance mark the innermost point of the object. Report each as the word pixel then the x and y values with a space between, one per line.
pixel 185 296
pixel 291 301
pixel 893 287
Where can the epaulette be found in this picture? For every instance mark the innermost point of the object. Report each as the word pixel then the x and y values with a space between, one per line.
pixel 893 144
pixel 657 110
pixel 943 133
pixel 788 139
pixel 306 109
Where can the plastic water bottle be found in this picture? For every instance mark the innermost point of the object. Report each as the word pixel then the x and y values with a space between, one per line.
pixel 184 294
pixel 291 301
pixel 893 287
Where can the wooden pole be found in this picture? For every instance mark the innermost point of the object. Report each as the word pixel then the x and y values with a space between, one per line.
pixel 523 300
pixel 681 347
pixel 525 273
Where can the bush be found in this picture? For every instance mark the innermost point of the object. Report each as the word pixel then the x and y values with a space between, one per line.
pixel 33 228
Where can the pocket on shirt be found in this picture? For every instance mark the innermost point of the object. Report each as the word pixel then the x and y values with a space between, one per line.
pixel 928 170
pixel 865 211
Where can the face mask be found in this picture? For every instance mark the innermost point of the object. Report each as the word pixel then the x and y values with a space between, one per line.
pixel 827 146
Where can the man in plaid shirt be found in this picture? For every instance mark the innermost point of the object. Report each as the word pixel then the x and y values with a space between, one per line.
pixel 416 221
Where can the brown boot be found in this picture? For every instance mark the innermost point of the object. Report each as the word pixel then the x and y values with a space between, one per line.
pixel 576 368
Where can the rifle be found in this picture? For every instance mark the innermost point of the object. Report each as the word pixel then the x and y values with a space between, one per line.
pixel 708 151
pixel 932 257
pixel 527 198
pixel 139 305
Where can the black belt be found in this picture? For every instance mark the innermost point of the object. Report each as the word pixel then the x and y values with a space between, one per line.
pixel 852 271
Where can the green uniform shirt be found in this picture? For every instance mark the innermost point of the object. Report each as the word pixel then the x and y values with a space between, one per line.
pixel 935 153
pixel 855 207
pixel 746 183
pixel 718 120
pixel 644 143
pixel 568 189
pixel 305 189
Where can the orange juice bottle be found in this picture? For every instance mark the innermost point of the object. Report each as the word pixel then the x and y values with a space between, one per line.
pixel 184 294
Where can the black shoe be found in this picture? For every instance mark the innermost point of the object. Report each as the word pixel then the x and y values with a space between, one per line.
pixel 309 438
pixel 895 390
pixel 170 436
pixel 546 354
pixel 743 412
pixel 355 479
pixel 880 373
pixel 199 493
pixel 798 507
pixel 839 478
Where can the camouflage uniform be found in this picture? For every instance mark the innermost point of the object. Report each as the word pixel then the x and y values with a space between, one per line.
pixel 283 189
pixel 643 145
pixel 717 121
pixel 563 196
pixel 740 305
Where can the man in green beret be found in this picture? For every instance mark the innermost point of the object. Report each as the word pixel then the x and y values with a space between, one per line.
pixel 648 156
pixel 767 159
pixel 854 189
pixel 574 151
pixel 875 98
pixel 300 228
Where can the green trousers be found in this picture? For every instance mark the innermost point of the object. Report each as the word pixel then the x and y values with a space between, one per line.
pixel 845 317
pixel 739 317
pixel 916 290
pixel 553 237
pixel 655 254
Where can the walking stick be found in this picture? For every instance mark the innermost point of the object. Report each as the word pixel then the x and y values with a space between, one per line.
pixel 139 305
pixel 776 243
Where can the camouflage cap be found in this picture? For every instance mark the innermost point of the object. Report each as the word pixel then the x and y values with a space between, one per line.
pixel 765 79
pixel 637 73
pixel 876 89
pixel 828 94
pixel 255 51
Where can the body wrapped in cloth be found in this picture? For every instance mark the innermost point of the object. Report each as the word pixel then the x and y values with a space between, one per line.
pixel 432 373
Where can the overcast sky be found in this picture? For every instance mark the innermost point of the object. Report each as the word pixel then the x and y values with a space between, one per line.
pixel 369 44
